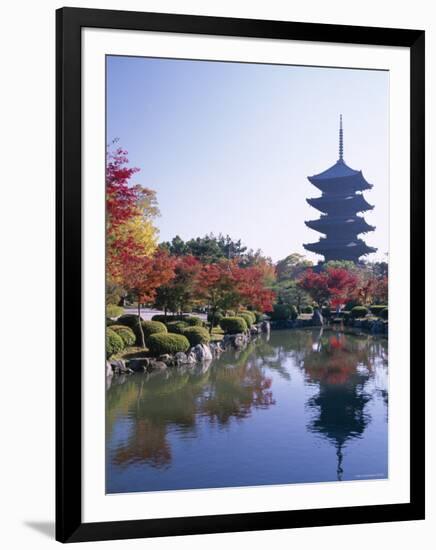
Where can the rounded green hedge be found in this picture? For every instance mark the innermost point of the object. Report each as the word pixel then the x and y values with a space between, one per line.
pixel 114 343
pixel 358 312
pixel 350 304
pixel 148 327
pixel 217 317
pixel 377 309
pixel 162 342
pixel 247 318
pixel 384 313
pixel 251 314
pixel 193 321
pixel 152 327
pixel 259 316
pixel 126 333
pixel 129 320
pixel 307 309
pixel 233 325
pixel 163 318
pixel 113 310
pixel 282 312
pixel 176 327
pixel 196 335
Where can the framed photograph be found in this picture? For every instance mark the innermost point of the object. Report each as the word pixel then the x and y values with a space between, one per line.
pixel 240 235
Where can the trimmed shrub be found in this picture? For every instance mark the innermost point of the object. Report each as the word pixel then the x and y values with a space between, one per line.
pixel 126 333
pixel 251 314
pixel 152 327
pixel 114 343
pixel 113 311
pixel 384 313
pixel 129 320
pixel 193 321
pixel 349 305
pixel 376 309
pixel 148 327
pixel 281 312
pixel 163 318
pixel 176 327
pixel 217 317
pixel 162 342
pixel 247 318
pixel 196 335
pixel 259 316
pixel 230 313
pixel 307 309
pixel 358 312
pixel 233 325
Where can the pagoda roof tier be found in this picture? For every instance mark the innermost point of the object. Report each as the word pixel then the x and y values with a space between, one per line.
pixel 341 184
pixel 348 224
pixel 338 170
pixel 340 205
pixel 341 249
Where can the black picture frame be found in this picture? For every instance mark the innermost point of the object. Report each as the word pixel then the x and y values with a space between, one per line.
pixel 69 22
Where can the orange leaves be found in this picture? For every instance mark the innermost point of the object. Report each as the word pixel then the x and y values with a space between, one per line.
pixel 143 275
pixel 227 285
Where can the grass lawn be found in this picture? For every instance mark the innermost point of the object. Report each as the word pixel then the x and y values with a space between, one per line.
pixel 131 352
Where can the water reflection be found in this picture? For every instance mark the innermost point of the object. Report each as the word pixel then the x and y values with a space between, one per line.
pixel 338 375
pixel 154 403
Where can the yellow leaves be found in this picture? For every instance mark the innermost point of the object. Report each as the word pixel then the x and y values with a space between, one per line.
pixel 138 234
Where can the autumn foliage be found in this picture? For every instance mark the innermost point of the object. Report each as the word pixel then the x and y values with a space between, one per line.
pixel 175 276
pixel 333 286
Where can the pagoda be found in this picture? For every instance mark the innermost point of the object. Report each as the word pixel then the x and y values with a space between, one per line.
pixel 339 204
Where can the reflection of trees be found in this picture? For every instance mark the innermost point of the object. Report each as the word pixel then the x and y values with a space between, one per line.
pixel 174 399
pixel 145 410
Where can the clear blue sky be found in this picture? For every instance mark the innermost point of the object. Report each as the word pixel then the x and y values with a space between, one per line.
pixel 228 146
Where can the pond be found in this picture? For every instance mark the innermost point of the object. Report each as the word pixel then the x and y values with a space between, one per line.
pixel 300 406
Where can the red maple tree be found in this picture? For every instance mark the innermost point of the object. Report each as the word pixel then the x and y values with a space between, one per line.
pixel 143 275
pixel 333 286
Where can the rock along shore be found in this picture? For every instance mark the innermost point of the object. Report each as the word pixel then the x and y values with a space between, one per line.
pixel 202 353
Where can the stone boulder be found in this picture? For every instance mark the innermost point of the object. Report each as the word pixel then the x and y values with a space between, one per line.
pixel 240 340
pixel 109 371
pixel 138 364
pixel 119 367
pixel 180 358
pixel 216 348
pixel 202 353
pixel 166 358
pixel 191 358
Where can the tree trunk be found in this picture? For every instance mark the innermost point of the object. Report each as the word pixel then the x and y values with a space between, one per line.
pixel 141 332
pixel 212 321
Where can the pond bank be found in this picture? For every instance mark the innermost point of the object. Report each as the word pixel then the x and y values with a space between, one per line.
pixel 197 354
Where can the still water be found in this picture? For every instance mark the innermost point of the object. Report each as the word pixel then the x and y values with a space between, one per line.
pixel 299 407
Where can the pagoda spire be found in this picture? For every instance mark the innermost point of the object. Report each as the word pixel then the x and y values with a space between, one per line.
pixel 341 139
